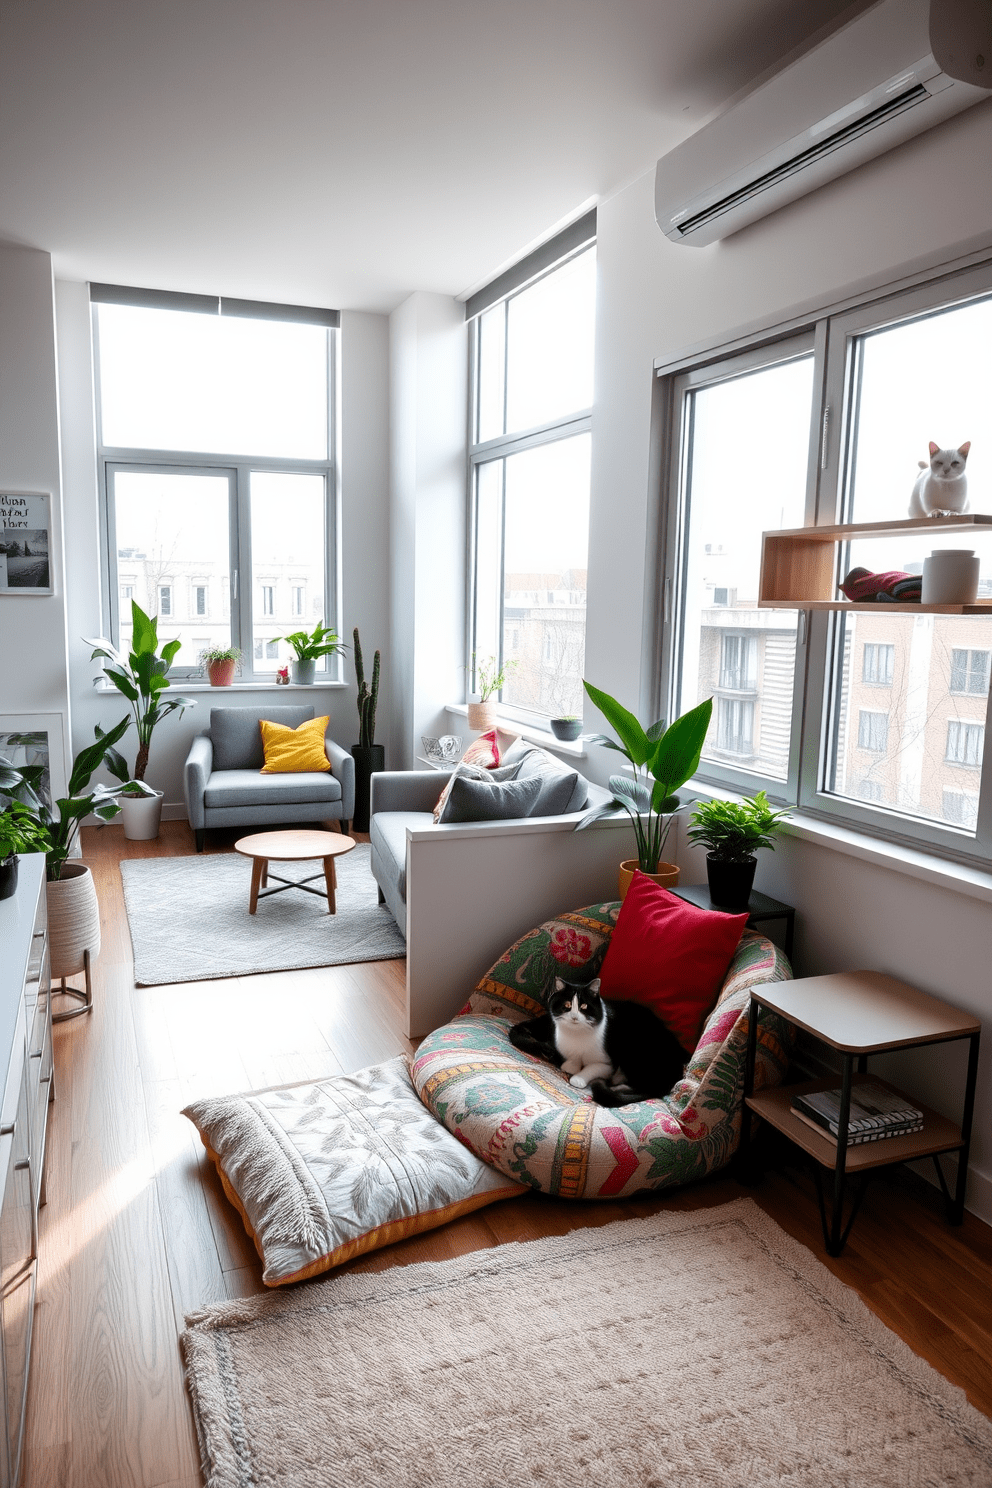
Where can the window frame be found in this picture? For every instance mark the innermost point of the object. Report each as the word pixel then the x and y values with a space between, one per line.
pixel 238 469
pixel 835 338
pixel 500 448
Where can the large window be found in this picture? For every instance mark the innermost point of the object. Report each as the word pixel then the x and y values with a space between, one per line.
pixel 216 447
pixel 533 366
pixel 828 425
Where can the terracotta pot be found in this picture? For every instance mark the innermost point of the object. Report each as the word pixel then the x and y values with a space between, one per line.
pixel 73 919
pixel 221 673
pixel 667 875
pixel 481 717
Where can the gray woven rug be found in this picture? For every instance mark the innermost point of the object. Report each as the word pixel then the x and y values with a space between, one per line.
pixel 702 1348
pixel 189 919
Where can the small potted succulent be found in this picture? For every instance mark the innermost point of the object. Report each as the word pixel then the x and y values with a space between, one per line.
pixel 567 727
pixel 733 831
pixel 309 647
pixel 490 679
pixel 220 664
pixel 20 832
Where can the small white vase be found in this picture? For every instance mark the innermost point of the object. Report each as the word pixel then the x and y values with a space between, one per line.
pixel 141 816
pixel 950 576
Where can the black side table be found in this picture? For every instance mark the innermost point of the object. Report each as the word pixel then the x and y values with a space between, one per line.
pixel 759 907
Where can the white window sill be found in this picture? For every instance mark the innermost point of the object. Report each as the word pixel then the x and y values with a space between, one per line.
pixel 182 685
pixel 575 749
pixel 958 878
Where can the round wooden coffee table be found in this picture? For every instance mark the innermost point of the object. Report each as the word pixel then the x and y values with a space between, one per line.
pixel 293 847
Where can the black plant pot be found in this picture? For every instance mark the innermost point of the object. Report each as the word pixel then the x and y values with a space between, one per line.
pixel 367 759
pixel 8 876
pixel 730 883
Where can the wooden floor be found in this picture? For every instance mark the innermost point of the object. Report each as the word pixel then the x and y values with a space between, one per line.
pixel 136 1231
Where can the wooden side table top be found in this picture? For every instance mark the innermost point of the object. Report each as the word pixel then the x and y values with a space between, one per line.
pixel 862 1012
pixel 294 846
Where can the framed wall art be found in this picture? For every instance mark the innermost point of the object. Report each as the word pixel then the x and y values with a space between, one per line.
pixel 36 739
pixel 25 542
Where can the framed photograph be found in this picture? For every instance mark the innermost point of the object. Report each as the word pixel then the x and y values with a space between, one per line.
pixel 25 542
pixel 36 739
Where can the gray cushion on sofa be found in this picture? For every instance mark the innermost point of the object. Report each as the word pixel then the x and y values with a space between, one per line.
pixel 389 842
pixel 561 789
pixel 287 788
pixel 237 738
pixel 489 800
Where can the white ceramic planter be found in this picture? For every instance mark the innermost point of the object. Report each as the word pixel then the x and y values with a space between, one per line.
pixel 73 919
pixel 302 672
pixel 950 576
pixel 141 816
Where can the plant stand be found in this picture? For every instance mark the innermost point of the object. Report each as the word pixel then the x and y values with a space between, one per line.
pixel 85 994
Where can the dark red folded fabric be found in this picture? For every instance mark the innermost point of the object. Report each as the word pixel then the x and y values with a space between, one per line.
pixel 861 584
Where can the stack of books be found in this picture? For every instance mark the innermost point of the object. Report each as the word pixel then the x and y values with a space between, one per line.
pixel 876 1112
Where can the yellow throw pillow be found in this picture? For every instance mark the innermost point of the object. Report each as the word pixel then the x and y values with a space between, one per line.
pixel 296 749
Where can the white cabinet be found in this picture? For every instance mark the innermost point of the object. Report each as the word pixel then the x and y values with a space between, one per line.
pixel 26 1072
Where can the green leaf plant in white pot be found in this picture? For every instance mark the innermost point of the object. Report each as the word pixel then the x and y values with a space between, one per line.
pixel 662 759
pixel 309 647
pixel 733 831
pixel 142 677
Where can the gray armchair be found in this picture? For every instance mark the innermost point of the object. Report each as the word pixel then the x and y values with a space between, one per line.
pixel 224 785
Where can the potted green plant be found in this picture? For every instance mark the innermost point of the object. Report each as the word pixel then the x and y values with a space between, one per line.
pixel 73 911
pixel 309 648
pixel 662 760
pixel 20 832
pixel 142 676
pixel 490 679
pixel 368 755
pixel 567 727
pixel 733 831
pixel 220 664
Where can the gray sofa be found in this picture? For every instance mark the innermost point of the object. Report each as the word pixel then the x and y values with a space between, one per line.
pixel 224 786
pixel 405 800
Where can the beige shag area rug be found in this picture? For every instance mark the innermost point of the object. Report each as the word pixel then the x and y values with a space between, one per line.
pixel 706 1348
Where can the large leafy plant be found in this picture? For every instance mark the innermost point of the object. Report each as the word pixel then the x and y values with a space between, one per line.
pixel 142 676
pixel 734 830
pixel 662 758
pixel 20 832
pixel 57 829
pixel 312 645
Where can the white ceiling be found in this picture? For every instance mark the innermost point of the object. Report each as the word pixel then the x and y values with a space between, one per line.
pixel 347 152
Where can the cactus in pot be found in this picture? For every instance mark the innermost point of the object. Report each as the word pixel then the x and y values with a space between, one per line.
pixel 368 755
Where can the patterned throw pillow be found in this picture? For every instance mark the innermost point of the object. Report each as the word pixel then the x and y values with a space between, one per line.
pixel 324 1172
pixel 291 750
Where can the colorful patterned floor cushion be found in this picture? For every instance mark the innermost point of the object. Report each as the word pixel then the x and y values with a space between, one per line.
pixel 520 1113
pixel 323 1172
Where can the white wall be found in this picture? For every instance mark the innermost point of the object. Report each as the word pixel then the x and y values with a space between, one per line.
pixel 921 204
pixel 364 565
pixel 428 449
pixel 32 627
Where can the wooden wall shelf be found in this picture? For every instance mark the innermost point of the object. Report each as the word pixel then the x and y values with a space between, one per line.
pixel 799 569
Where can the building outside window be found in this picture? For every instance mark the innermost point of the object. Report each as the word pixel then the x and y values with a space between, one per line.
pixel 298 599
pixel 216 438
pixel 877 664
pixel 873 730
pixel 817 428
pixel 532 365
pixel 970 671
pixel 734 726
pixel 127 593
pixel 960 807
pixel 739 662
pixel 965 743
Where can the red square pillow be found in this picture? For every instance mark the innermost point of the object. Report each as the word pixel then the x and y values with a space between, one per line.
pixel 669 955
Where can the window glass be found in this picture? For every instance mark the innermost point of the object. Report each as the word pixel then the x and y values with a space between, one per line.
pixel 747 448
pixel 175 380
pixel 550 336
pixel 171 525
pixel 492 372
pixel 287 542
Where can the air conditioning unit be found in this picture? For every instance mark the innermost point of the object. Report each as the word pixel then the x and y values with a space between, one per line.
pixel 892 72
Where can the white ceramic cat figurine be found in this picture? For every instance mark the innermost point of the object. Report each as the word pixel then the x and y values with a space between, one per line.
pixel 941 488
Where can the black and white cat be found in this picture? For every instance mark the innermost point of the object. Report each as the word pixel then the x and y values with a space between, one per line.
pixel 619 1050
